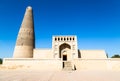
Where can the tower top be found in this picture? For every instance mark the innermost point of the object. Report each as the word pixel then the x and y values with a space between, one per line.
pixel 29 8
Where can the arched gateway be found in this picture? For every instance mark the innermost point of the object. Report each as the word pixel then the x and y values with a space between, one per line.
pixel 65 55
pixel 65 47
pixel 64 51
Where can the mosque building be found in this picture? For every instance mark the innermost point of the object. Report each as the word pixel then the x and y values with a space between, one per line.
pixel 64 54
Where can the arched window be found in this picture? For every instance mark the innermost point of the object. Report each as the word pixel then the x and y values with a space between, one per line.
pixel 64 39
pixel 58 39
pixel 55 39
pixel 67 39
pixel 61 39
pixel 73 38
pixel 62 48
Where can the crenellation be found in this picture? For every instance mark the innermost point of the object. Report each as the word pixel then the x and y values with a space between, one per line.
pixel 64 38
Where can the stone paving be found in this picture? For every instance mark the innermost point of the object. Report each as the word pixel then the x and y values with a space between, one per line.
pixel 59 75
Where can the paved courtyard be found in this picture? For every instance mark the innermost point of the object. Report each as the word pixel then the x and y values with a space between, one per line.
pixel 59 75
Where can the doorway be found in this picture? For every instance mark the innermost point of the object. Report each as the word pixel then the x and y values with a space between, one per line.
pixel 64 60
pixel 64 49
pixel 64 57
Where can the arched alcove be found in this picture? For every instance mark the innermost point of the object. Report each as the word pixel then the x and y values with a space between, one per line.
pixel 64 49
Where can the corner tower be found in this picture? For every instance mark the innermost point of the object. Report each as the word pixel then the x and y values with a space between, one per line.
pixel 25 42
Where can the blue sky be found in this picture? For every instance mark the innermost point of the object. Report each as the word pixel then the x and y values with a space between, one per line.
pixel 95 22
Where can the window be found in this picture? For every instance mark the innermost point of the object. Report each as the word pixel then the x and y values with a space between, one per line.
pixel 64 57
pixel 64 39
pixel 67 39
pixel 73 39
pixel 58 39
pixel 61 39
pixel 55 39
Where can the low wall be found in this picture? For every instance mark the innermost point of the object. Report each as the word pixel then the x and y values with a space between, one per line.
pixel 114 64
pixel 30 63
pixel 42 53
pixel 56 64
pixel 93 54
pixel 97 64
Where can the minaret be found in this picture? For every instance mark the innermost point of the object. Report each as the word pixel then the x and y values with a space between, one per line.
pixel 25 41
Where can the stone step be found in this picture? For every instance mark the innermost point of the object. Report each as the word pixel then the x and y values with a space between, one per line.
pixel 67 66
pixel 67 69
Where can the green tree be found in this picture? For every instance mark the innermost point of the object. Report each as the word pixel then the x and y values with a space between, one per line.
pixel 0 60
pixel 116 56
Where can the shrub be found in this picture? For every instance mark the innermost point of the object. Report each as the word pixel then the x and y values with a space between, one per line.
pixel 1 60
pixel 116 56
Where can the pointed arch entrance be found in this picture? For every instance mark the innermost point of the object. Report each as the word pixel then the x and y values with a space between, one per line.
pixel 65 55
pixel 64 51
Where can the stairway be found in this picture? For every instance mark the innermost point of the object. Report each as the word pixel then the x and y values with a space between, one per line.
pixel 67 66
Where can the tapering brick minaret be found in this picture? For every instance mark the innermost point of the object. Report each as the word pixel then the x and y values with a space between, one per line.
pixel 25 41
